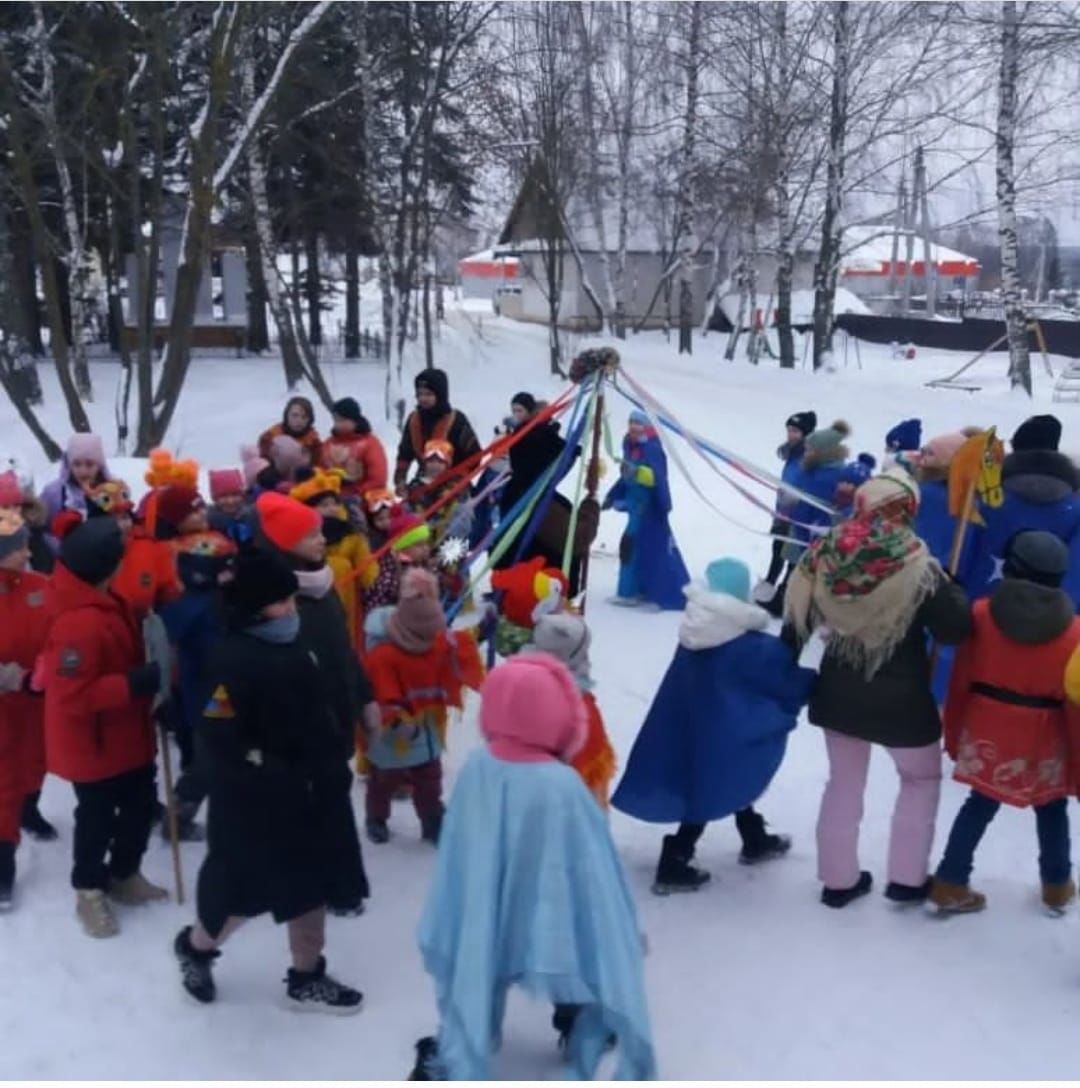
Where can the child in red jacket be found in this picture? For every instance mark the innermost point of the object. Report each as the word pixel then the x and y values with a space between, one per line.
pixel 1014 736
pixel 98 729
pixel 354 449
pixel 24 624
pixel 418 673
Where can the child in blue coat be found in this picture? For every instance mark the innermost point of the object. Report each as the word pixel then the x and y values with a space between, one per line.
pixel 717 729
pixel 651 570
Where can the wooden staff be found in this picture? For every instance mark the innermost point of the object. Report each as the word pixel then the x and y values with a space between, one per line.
pixel 170 813
pixel 592 482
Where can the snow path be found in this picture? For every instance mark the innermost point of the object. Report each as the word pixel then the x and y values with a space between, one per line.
pixel 750 978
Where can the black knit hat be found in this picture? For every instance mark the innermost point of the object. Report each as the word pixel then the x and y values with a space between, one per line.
pixel 261 578
pixel 1038 433
pixel 93 551
pixel 806 422
pixel 1036 556
pixel 526 401
pixel 348 408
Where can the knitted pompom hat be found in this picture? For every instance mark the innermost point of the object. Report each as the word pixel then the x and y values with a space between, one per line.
pixel 418 618
pixel 828 439
pixel 532 711
pixel 253 464
pixel 284 521
pixel 286 455
pixel 225 482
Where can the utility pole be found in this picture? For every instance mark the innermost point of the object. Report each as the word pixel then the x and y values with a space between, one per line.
pixel 922 202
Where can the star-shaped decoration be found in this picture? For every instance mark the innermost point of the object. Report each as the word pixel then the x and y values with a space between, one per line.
pixel 999 568
pixel 452 551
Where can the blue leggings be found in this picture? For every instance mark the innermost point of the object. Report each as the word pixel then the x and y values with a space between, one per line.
pixel 1051 825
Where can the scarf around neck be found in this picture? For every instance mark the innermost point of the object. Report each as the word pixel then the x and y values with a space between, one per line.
pixel 315 583
pixel 865 580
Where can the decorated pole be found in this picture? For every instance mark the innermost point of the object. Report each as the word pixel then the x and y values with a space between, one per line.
pixel 603 363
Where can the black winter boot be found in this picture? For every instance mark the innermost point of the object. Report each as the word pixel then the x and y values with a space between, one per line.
pixel 188 829
pixel 316 991
pixel 563 1019
pixel 908 894
pixel 757 844
pixel 196 975
pixel 427 1065
pixel 7 875
pixel 674 873
pixel 33 823
pixel 431 827
pixel 840 897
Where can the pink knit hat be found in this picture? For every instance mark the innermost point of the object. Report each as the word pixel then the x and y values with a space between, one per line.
pixel 86 447
pixel 226 481
pixel 532 711
pixel 418 618
pixel 253 464
pixel 939 452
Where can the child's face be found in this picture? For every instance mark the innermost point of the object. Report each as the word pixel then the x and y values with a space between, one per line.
pixel 195 522
pixel 312 548
pixel 417 556
pixel 433 468
pixel 84 473
pixel 520 413
pixel 231 505
pixel 381 520
pixel 637 431
pixel 297 419
pixel 344 426
pixel 794 436
pixel 426 399
pixel 328 507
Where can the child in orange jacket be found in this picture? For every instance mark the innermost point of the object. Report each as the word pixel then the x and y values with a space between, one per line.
pixel 355 450
pixel 419 672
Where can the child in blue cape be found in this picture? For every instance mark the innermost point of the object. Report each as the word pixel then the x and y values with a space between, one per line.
pixel 651 570
pixel 717 729
pixel 528 891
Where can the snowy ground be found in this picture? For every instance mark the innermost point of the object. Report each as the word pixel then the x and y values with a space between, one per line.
pixel 751 978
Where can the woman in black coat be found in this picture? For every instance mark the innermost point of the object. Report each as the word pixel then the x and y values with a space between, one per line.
pixel 269 740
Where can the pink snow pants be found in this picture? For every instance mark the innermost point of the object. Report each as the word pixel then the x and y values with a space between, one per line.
pixel 842 810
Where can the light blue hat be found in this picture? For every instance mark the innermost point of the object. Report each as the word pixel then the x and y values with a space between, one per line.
pixel 640 417
pixel 730 576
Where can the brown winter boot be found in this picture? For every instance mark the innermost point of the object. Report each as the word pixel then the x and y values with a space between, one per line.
pixel 946 898
pixel 1057 897
pixel 93 910
pixel 136 890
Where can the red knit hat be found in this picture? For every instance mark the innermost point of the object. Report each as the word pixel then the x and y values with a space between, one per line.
pixel 284 521
pixel 176 503
pixel 225 481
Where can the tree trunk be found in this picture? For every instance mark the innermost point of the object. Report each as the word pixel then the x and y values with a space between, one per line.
pixel 77 282
pixel 429 346
pixel 258 331
pixel 313 288
pixel 828 263
pixel 352 296
pixel 687 193
pixel 899 223
pixel 929 271
pixel 785 256
pixel 740 279
pixel 1011 295
pixel 24 280
pixel 753 344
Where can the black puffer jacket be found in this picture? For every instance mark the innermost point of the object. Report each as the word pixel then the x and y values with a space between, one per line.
pixel 268 738
pixel 896 706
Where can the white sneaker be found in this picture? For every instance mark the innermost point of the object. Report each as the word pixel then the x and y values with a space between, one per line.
pixel 763 593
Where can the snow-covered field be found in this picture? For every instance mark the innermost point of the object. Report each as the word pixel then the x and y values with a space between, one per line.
pixel 750 978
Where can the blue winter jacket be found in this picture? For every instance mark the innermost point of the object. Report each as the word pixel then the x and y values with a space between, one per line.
pixel 717 729
pixel 652 566
pixel 1040 493
pixel 792 456
pixel 820 480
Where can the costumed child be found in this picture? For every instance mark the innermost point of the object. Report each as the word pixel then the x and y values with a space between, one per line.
pixel 902 444
pixel 347 552
pixel 798 426
pixel 651 570
pixel 229 513
pixel 355 450
pixel 566 636
pixel 17 491
pixel 82 467
pixel 297 423
pixel 819 475
pixel 717 729
pixel 1008 725
pixel 528 891
pixel 25 615
pixel 270 742
pixel 381 509
pixel 98 729
pixel 525 592
pixel 426 490
pixel 195 625
pixel 419 672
